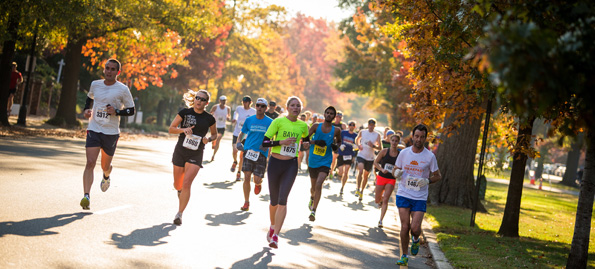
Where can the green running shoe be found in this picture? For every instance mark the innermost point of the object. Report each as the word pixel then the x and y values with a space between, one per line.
pixel 414 246
pixel 312 216
pixel 403 261
pixel 85 203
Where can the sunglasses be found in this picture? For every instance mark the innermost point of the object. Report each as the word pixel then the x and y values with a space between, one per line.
pixel 351 124
pixel 259 105
pixel 201 99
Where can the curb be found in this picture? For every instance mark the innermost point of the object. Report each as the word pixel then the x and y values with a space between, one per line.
pixel 437 255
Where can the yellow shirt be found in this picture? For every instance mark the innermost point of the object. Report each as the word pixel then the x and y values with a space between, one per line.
pixel 283 128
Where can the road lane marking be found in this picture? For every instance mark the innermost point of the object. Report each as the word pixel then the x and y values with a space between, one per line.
pixel 113 209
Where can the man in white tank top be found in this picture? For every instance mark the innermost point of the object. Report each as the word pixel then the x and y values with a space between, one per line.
pixel 367 141
pixel 222 114
pixel 239 117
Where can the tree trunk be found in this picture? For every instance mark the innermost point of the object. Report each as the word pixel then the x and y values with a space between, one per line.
pixel 539 169
pixel 161 111
pixel 456 156
pixel 579 250
pixel 66 113
pixel 510 220
pixel 572 161
pixel 8 51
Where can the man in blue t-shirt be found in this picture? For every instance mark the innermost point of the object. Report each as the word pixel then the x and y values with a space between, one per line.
pixel 255 156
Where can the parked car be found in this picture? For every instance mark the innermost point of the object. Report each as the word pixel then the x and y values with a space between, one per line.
pixel 560 171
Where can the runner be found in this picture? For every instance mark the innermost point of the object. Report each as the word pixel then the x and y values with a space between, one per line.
pixel 303 149
pixel 386 140
pixel 283 136
pixel 106 97
pixel 271 113
pixel 337 123
pixel 385 181
pixel 255 156
pixel 16 78
pixel 321 156
pixel 222 114
pixel 367 141
pixel 193 124
pixel 345 158
pixel 240 115
pixel 419 168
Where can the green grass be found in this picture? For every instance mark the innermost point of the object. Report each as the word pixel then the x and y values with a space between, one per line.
pixel 546 228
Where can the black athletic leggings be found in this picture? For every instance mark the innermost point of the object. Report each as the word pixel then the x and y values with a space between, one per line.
pixel 281 175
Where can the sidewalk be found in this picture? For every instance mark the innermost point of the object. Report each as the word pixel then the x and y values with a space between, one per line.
pixel 545 186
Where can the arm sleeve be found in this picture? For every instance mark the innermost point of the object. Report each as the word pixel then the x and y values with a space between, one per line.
pixel 88 103
pixel 267 143
pixel 129 111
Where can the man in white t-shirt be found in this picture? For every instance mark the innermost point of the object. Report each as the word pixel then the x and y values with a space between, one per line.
pixel 368 141
pixel 222 114
pixel 416 167
pixel 107 100
pixel 239 117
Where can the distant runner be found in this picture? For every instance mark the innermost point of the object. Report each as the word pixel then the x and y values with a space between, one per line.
pixel 385 180
pixel 367 141
pixel 222 114
pixel 240 115
pixel 346 153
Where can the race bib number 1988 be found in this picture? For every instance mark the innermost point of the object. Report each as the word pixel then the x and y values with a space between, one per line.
pixel 192 142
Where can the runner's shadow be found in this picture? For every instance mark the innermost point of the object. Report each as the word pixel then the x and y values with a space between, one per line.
pixel 335 198
pixel 300 235
pixel 220 185
pixel 265 198
pixel 143 237
pixel 258 260
pixel 233 218
pixel 377 234
pixel 40 226
pixel 355 206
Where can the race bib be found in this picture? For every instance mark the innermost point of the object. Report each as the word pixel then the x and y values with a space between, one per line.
pixel 347 157
pixel 411 183
pixel 101 115
pixel 252 155
pixel 221 119
pixel 320 151
pixel 389 167
pixel 192 142
pixel 289 150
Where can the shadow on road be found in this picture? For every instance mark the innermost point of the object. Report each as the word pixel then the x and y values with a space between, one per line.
pixel 355 206
pixel 233 218
pixel 40 226
pixel 299 235
pixel 335 198
pixel 260 259
pixel 265 198
pixel 143 237
pixel 220 185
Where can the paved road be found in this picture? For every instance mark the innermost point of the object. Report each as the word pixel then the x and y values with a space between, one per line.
pixel 130 225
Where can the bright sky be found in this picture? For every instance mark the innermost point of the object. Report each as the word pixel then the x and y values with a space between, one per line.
pixel 327 9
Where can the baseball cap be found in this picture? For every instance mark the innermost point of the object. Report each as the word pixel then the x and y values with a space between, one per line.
pixel 262 101
pixel 390 132
pixel 273 103
pixel 223 97
pixel 246 99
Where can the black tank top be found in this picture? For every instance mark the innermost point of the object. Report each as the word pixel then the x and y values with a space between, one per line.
pixel 390 160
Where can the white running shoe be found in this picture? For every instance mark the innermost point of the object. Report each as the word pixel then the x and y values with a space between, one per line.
pixel 105 184
pixel 178 219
